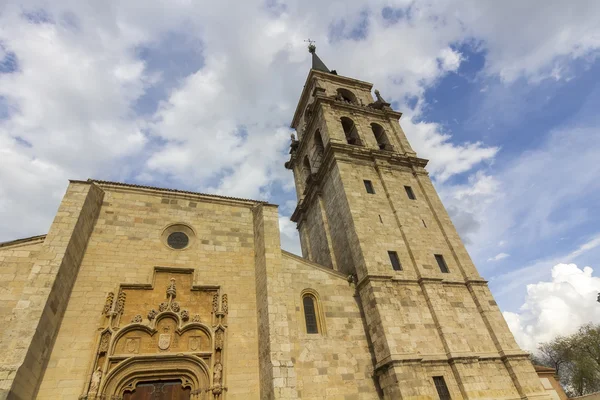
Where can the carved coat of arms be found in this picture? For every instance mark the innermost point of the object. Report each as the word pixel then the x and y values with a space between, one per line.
pixel 164 341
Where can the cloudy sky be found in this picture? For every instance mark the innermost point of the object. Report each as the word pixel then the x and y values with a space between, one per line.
pixel 502 97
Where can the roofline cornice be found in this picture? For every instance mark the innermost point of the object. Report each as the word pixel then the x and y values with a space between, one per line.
pixel 27 240
pixel 173 192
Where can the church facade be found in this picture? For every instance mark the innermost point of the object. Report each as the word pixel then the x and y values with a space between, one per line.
pixel 139 293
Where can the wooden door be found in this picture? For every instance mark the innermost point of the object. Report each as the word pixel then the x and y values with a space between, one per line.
pixel 159 390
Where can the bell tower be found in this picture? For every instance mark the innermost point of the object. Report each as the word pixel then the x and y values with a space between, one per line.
pixel 367 208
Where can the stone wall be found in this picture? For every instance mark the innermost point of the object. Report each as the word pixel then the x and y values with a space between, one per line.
pixel 125 246
pixel 335 363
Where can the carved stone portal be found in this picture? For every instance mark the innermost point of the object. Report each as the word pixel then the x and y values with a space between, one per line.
pixel 168 345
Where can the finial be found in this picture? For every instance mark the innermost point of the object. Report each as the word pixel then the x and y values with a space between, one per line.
pixel 378 95
pixel 311 45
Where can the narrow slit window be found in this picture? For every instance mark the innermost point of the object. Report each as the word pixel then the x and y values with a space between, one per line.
pixel 442 263
pixel 410 193
pixel 369 187
pixel 310 314
pixel 442 389
pixel 395 261
pixel 424 224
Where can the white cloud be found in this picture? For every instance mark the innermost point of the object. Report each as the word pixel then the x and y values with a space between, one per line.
pixel 499 256
pixel 222 128
pixel 557 307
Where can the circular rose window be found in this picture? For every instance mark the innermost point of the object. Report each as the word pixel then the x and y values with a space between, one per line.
pixel 178 240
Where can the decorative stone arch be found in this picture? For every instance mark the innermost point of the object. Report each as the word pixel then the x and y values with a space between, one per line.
pixel 191 370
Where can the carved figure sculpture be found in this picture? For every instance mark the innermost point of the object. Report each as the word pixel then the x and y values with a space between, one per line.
pixel 217 374
pixel 95 383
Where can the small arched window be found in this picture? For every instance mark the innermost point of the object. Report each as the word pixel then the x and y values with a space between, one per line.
pixel 381 137
pixel 346 96
pixel 306 171
pixel 318 151
pixel 310 313
pixel 350 131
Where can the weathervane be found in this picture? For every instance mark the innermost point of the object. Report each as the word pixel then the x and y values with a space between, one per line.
pixel 311 45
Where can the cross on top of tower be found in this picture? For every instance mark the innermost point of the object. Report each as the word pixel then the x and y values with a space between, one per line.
pixel 311 45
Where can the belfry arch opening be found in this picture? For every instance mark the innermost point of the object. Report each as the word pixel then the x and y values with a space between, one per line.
pixel 381 136
pixel 350 131
pixel 306 170
pixel 346 96
pixel 318 150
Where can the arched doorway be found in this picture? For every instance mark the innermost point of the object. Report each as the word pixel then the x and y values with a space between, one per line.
pixel 168 377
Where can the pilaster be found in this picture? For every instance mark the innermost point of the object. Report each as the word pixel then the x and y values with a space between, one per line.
pixel 276 368
pixel 37 317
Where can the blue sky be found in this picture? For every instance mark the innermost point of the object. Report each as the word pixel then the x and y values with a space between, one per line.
pixel 502 98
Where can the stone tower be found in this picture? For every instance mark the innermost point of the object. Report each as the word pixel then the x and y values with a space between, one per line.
pixel 367 208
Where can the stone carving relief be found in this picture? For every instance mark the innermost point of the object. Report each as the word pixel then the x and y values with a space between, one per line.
pixel 185 315
pixel 109 303
pixel 224 305
pixel 104 342
pixel 138 351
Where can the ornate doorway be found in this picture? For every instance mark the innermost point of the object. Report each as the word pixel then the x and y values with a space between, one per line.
pixel 175 352
pixel 159 390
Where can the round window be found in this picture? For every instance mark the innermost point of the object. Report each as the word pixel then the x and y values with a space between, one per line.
pixel 178 240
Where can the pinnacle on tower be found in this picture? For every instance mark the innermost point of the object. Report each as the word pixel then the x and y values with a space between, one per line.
pixel 317 63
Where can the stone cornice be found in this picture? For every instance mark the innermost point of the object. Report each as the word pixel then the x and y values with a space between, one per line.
pixel 108 185
pixel 433 280
pixel 24 241
pixel 451 358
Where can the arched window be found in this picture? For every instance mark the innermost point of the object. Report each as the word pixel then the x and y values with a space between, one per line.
pixel 306 171
pixel 318 150
pixel 381 137
pixel 350 131
pixel 310 313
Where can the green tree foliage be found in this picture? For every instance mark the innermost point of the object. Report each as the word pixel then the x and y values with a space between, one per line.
pixel 576 359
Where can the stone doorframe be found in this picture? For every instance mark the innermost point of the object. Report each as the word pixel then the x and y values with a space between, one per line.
pixel 191 370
